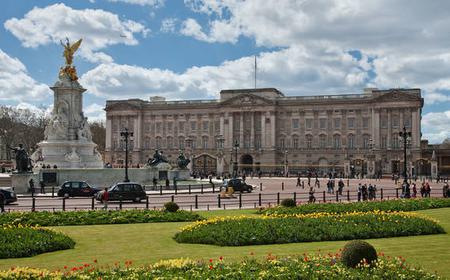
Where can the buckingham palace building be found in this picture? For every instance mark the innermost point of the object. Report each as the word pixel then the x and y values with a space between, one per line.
pixel 263 130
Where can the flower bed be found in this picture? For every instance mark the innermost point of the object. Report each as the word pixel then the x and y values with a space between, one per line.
pixel 96 217
pixel 23 241
pixel 300 267
pixel 243 230
pixel 385 205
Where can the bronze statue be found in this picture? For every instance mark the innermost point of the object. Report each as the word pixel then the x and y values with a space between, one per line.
pixel 69 71
pixel 182 161
pixel 23 163
pixel 69 50
pixel 157 158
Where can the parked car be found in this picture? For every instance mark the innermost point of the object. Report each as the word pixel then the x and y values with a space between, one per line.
pixel 10 195
pixel 77 188
pixel 124 191
pixel 239 185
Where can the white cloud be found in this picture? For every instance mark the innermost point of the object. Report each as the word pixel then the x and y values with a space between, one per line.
pixel 292 69
pixel 152 3
pixel 99 29
pixel 191 27
pixel 436 98
pixel 16 84
pixel 168 25
pixel 436 126
pixel 95 112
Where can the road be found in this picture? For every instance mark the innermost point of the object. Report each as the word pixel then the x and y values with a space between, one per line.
pixel 273 191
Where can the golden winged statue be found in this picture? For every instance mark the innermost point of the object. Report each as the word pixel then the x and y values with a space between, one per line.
pixel 69 50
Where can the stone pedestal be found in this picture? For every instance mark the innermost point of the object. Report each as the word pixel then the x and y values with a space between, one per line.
pixel 180 174
pixel 20 181
pixel 68 139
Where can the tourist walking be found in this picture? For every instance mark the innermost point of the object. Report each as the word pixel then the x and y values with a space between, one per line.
pixel 427 189
pixel 31 184
pixel 42 186
pixel 299 183
pixel 414 190
pixel 445 190
pixel 312 198
pixel 340 186
pixel 105 199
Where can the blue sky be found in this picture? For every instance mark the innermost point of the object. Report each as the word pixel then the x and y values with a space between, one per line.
pixel 194 48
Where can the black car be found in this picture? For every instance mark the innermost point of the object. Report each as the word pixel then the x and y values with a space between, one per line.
pixel 10 196
pixel 77 188
pixel 239 185
pixel 124 191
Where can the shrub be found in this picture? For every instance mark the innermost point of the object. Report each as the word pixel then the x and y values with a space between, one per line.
pixel 366 206
pixel 19 241
pixel 288 202
pixel 301 267
pixel 251 230
pixel 96 217
pixel 356 252
pixel 171 206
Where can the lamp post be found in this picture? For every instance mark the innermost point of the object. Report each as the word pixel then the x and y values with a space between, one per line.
pixel 404 136
pixel 126 135
pixel 235 164
pixel 286 167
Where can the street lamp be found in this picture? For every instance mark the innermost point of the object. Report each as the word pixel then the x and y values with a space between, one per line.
pixel 405 136
pixel 286 168
pixel 126 135
pixel 235 164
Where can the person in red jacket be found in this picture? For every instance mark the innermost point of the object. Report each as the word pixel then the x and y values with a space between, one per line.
pixel 105 198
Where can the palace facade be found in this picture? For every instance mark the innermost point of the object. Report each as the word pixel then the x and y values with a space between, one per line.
pixel 353 133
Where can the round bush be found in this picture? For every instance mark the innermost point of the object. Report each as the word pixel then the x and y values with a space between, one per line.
pixel 288 202
pixel 171 206
pixel 19 242
pixel 356 251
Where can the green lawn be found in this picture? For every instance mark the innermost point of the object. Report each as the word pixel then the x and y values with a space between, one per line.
pixel 146 243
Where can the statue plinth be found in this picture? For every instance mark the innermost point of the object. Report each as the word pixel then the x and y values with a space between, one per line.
pixel 68 139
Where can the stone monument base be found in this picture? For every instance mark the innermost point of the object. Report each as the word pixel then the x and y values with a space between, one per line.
pixel 180 174
pixel 20 182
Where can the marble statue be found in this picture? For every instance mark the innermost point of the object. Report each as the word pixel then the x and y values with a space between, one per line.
pixel 84 132
pixel 182 161
pixel 73 156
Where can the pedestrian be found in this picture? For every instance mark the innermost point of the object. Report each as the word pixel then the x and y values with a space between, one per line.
pixel 312 198
pixel 414 190
pixel 359 191
pixel 167 183
pixel 364 192
pixel 155 183
pixel 427 189
pixel 298 181
pixel 422 189
pixel 42 186
pixel 105 199
pixel 2 202
pixel 340 186
pixel 445 190
pixel 174 182
pixel 31 184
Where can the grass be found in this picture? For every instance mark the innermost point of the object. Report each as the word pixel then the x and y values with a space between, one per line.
pixel 147 243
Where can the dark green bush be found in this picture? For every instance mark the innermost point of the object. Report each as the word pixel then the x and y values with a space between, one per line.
pixel 171 206
pixel 96 217
pixel 19 242
pixel 357 251
pixel 288 202
pixel 385 205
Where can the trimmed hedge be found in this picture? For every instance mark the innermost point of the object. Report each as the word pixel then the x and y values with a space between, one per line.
pixel 19 241
pixel 300 267
pixel 243 230
pixel 356 252
pixel 96 217
pixel 385 205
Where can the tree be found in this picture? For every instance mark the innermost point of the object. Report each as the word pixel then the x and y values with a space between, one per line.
pixel 98 131
pixel 20 126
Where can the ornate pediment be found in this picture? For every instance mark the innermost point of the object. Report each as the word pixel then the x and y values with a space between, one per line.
pixel 247 100
pixel 121 106
pixel 397 95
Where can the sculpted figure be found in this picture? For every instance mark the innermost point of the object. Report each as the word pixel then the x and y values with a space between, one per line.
pixel 157 158
pixel 182 161
pixel 22 159
pixel 69 50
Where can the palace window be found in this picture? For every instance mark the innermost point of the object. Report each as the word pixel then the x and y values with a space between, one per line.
pixel 351 141
pixel 295 142
pixel 205 142
pixel 336 141
pixel 181 142
pixel 169 127
pixel 147 143
pixel 395 141
pixel 193 126
pixel 366 142
pixel 322 141
pixel 181 127
pixel 158 127
pixel 309 123
pixel 407 121
pixel 384 122
pixel 295 123
pixel 351 123
pixel 205 125
pixel 169 143
pixel 322 123
pixel 365 122
pixel 395 121
pixel 337 123
pixel 158 142
pixel 383 142
pixel 282 143
pixel 309 141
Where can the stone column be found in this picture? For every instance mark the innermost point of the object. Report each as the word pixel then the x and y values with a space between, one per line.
pixel 415 128
pixel 263 130
pixel 108 134
pixel 376 127
pixel 272 129
pixel 230 130
pixel 241 130
pixel 389 135
pixel 252 130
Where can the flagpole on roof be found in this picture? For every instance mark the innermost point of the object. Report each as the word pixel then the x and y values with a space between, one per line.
pixel 255 71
